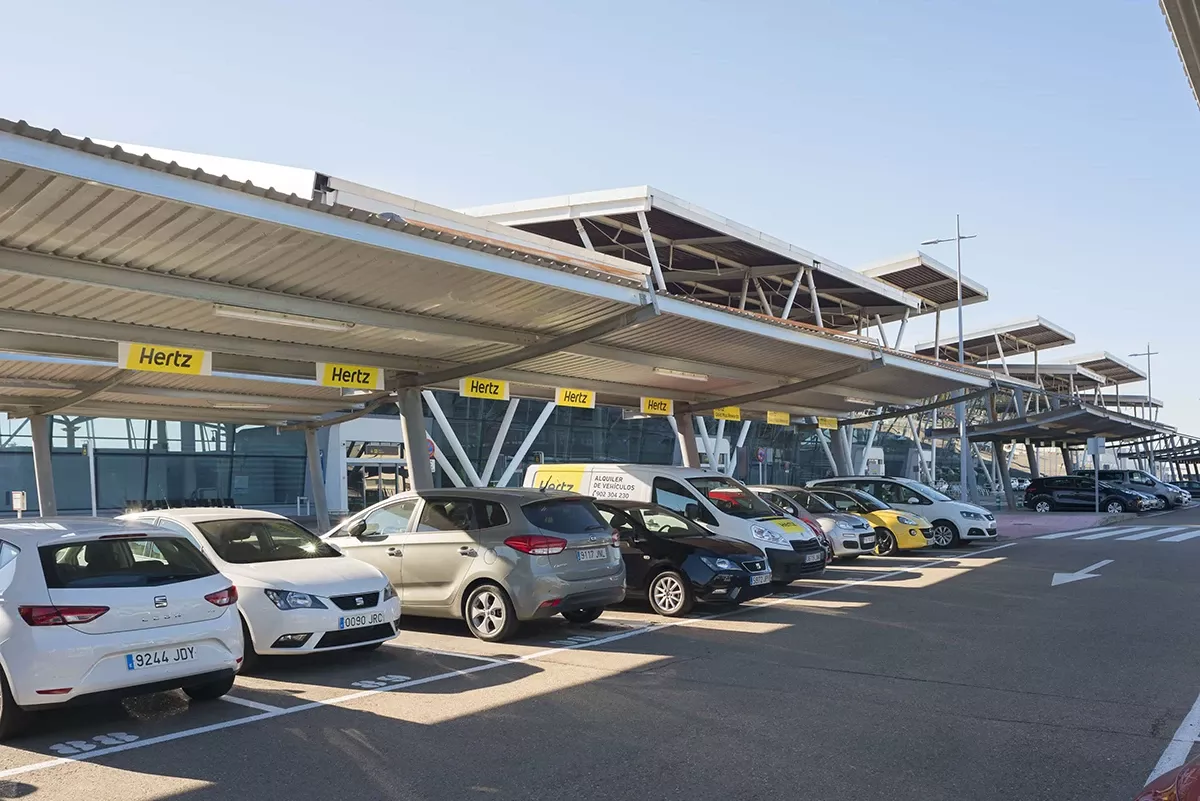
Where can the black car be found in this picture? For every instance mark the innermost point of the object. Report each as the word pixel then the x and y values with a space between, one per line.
pixel 674 563
pixel 1055 493
pixel 1189 484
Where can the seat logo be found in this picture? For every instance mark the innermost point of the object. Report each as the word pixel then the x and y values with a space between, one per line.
pixel 160 601
pixel 359 601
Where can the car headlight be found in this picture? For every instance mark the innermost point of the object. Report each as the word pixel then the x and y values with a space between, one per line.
pixel 906 521
pixel 286 599
pixel 717 563
pixel 389 592
pixel 845 524
pixel 972 515
pixel 766 535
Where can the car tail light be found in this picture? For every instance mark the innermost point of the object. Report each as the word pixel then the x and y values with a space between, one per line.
pixel 60 615
pixel 616 539
pixel 223 597
pixel 55 691
pixel 536 544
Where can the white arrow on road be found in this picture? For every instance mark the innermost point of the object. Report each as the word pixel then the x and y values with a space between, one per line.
pixel 1079 575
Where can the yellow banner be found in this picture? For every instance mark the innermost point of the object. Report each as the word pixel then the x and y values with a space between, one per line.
pixel 827 422
pixel 727 413
pixel 779 418
pixel 579 398
pixel 160 359
pixel 486 388
pixel 349 376
pixel 664 406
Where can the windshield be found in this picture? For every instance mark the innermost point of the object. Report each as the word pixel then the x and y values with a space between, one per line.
pixel 929 492
pixel 244 541
pixel 813 503
pixel 732 498
pixel 868 502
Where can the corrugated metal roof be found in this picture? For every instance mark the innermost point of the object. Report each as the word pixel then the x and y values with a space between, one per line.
pixel 1023 336
pixel 928 279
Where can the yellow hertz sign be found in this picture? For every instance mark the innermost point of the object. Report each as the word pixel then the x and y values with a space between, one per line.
pixel 159 359
pixel 827 422
pixel 486 388
pixel 579 398
pixel 664 406
pixel 779 418
pixel 349 376
pixel 733 413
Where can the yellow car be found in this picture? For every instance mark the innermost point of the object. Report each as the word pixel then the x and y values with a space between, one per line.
pixel 895 530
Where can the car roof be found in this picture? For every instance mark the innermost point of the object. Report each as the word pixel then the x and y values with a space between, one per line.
pixel 621 504
pixel 200 514
pixel 781 487
pixel 42 530
pixel 516 494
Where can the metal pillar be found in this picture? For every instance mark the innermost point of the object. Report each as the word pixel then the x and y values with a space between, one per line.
pixel 812 294
pixel 526 443
pixel 1031 456
pixel 685 432
pixel 1068 463
pixel 1010 498
pixel 862 462
pixel 937 335
pixel 845 449
pixel 316 479
pixel 791 298
pixel 732 464
pixel 435 409
pixel 498 445
pixel 922 470
pixel 412 425
pixel 652 252
pixel 824 440
pixel 43 473
pixel 583 234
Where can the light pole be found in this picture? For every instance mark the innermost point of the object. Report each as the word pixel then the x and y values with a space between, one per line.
pixel 1150 411
pixel 960 409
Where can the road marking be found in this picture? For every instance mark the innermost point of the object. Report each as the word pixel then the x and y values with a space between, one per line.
pixel 456 654
pixel 1187 535
pixel 1079 575
pixel 233 699
pixel 1154 531
pixel 1112 532
pixel 404 685
pixel 1176 752
pixel 1059 535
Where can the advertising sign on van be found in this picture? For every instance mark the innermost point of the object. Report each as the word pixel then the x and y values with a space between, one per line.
pixel 553 477
pixel 578 398
pixel 779 419
pixel 664 406
pixel 486 388
pixel 733 413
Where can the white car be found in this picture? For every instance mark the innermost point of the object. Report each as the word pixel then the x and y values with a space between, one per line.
pixel 952 521
pixel 297 593
pixel 97 609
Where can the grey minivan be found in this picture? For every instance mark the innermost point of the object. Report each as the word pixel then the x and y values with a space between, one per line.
pixel 493 557
pixel 1141 481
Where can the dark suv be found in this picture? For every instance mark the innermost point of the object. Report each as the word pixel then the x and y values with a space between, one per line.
pixel 1063 493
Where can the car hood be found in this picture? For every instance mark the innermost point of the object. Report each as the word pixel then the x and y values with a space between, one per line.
pixel 894 515
pixel 788 529
pixel 333 575
pixel 716 545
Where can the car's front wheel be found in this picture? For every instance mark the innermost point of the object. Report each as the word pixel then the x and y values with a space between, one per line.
pixel 1043 505
pixel 490 614
pixel 1166 502
pixel 943 534
pixel 885 542
pixel 209 690
pixel 671 594
pixel 1115 507
pixel 13 719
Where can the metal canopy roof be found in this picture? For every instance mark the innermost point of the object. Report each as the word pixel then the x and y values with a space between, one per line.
pixel 1055 377
pixel 1068 425
pixel 98 246
pixel 706 256
pixel 1117 371
pixel 1024 336
pixel 1183 18
pixel 929 279
pixel 1130 401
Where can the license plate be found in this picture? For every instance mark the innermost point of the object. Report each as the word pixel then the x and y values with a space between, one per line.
pixel 166 656
pixel 814 557
pixel 591 554
pixel 358 621
pixel 760 579
pixel 868 540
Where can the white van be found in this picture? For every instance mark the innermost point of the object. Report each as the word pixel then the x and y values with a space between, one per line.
pixel 719 503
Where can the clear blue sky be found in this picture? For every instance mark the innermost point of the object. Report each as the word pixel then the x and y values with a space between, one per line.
pixel 1064 132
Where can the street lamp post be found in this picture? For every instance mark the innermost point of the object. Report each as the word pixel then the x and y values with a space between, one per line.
pixel 1150 411
pixel 960 408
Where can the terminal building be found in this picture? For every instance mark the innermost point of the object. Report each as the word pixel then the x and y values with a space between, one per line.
pixel 182 329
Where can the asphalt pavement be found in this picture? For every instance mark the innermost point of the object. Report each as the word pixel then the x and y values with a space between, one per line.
pixel 959 675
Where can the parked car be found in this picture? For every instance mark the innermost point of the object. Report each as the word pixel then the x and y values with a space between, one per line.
pixel 800 515
pixel 492 557
pixel 849 535
pixel 1063 493
pixel 1019 483
pixel 952 520
pixel 92 610
pixel 715 501
pixel 674 563
pixel 1140 481
pixel 296 593
pixel 1189 485
pixel 895 530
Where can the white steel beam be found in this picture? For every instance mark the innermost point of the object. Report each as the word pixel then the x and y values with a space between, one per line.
pixel 316 479
pixel 498 445
pixel 732 464
pixel 412 426
pixel 448 431
pixel 43 473
pixel 583 234
pixel 812 295
pixel 652 252
pixel 762 297
pixel 526 444
pixel 710 445
pixel 447 468
pixel 791 298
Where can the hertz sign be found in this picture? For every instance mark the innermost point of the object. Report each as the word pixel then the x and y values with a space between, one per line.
pixel 349 376
pixel 579 398
pixel 486 388
pixel 160 359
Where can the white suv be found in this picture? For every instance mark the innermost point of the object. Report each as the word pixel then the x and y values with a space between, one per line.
pixel 952 520
pixel 96 609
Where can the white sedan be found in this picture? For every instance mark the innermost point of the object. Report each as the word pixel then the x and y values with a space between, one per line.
pixel 297 594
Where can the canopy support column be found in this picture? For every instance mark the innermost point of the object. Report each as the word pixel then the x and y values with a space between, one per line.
pixel 412 426
pixel 39 427
pixel 316 480
pixel 1010 498
pixel 812 294
pixel 685 433
pixel 1068 463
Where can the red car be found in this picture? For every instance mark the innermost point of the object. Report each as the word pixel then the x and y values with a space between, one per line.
pixel 1181 784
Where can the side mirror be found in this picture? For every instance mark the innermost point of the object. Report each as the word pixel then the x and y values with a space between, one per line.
pixel 913 500
pixel 358 528
pixel 692 511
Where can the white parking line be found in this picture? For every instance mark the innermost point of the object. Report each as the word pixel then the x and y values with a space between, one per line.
pixel 1187 535
pixel 233 699
pixel 1112 532
pixel 1060 534
pixel 456 654
pixel 1176 752
pixel 404 685
pixel 1153 531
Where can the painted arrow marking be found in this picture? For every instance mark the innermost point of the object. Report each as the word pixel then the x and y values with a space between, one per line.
pixel 1079 575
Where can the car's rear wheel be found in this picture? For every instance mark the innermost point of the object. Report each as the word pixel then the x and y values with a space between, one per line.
pixel 490 614
pixel 1042 505
pixel 585 615
pixel 943 534
pixel 13 719
pixel 885 542
pixel 1114 507
pixel 209 690
pixel 671 594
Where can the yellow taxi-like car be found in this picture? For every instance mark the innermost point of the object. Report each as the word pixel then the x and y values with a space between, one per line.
pixel 896 530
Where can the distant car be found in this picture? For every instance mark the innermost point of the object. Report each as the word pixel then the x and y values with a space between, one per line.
pixel 1140 481
pixel 493 557
pixel 850 535
pixel 92 610
pixel 296 593
pixel 1076 493
pixel 674 563
pixel 1191 485
pixel 1180 784
pixel 1019 483
pixel 895 530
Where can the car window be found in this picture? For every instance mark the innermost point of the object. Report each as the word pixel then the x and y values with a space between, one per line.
pixel 673 495
pixel 448 514
pixel 149 561
pixel 731 497
pixel 490 514
pixel 391 519
pixel 926 493
pixel 565 516
pixel 666 524
pixel 1053 483
pixel 888 492
pixel 843 503
pixel 624 525
pixel 812 502
pixel 245 541
pixel 1110 475
pixel 782 501
pixel 1141 479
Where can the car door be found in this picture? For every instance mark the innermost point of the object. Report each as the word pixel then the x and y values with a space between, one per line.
pixel 440 551
pixel 636 559
pixel 381 542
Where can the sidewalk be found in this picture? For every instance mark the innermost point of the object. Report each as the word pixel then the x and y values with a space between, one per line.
pixel 1022 523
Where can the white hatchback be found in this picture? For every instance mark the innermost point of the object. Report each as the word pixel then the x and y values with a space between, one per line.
pixel 297 593
pixel 97 609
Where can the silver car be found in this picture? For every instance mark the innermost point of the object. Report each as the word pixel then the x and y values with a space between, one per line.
pixel 493 557
pixel 850 535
